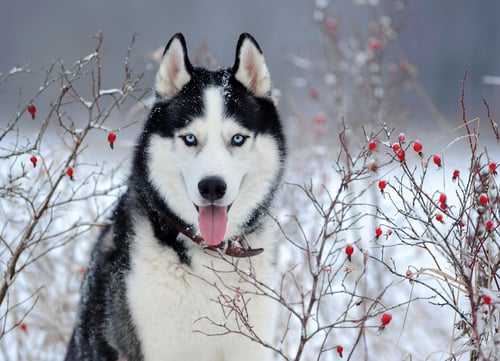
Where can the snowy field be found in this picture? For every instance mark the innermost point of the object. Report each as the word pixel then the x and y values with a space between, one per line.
pixel 353 295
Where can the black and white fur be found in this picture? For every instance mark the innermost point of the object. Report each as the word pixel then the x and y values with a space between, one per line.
pixel 148 285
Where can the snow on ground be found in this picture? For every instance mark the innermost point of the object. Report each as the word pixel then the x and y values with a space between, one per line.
pixel 47 290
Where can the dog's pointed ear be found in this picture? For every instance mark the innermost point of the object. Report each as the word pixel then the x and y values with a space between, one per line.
pixel 250 67
pixel 175 68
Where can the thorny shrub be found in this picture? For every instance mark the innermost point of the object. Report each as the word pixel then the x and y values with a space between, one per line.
pixel 368 241
pixel 54 192
pixel 353 74
pixel 390 241
pixel 386 217
pixel 379 253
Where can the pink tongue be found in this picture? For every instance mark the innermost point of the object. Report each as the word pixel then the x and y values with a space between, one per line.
pixel 213 221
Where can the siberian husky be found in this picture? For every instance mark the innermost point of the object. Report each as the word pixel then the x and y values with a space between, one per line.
pixel 181 272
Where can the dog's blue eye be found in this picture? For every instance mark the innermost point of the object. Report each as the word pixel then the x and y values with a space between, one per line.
pixel 190 140
pixel 238 140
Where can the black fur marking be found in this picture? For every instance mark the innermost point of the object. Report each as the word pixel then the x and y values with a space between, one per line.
pixel 151 202
pixel 103 320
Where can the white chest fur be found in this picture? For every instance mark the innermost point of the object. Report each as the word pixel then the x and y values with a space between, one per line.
pixel 183 312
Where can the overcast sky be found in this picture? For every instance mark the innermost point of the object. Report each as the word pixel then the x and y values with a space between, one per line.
pixel 442 38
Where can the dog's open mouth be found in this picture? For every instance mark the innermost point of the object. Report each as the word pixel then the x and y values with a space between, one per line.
pixel 213 223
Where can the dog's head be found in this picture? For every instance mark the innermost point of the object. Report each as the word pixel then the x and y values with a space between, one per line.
pixel 214 143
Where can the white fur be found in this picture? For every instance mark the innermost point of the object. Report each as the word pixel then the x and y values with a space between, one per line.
pixel 248 170
pixel 170 301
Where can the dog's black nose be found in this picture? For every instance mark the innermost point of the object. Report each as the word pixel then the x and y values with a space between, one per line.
pixel 212 188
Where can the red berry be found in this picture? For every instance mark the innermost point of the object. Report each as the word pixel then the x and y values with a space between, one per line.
pixel 439 217
pixel 402 137
pixel 493 167
pixel 111 139
pixel 374 44
pixel 69 172
pixel 489 224
pixel 349 250
pixel 396 147
pixel 331 25
pixel 417 146
pixel 443 206
pixel 319 120
pixel 405 67
pixel 33 160
pixel 372 145
pixel 487 300
pixel 401 155
pixel 314 94
pixel 442 198
pixel 483 199
pixel 386 319
pixel 409 274
pixel 23 326
pixel 381 185
pixel 437 160
pixel 32 110
pixel 340 349
pixel 456 174
pixel 378 231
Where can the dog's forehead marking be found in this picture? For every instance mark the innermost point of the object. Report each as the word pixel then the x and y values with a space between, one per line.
pixel 214 105
pixel 212 125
